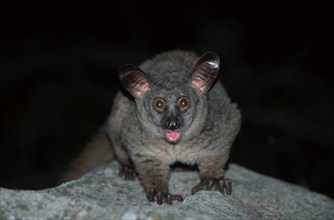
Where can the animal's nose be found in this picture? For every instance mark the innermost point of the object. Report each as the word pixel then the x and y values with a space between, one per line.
pixel 172 123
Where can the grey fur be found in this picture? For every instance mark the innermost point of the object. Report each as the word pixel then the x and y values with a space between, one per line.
pixel 209 125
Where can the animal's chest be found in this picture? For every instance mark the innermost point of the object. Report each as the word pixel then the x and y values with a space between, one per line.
pixel 171 153
pixel 185 152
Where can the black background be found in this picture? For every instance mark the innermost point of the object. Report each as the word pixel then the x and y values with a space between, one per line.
pixel 58 77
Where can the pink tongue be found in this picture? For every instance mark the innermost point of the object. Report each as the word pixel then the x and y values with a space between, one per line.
pixel 173 136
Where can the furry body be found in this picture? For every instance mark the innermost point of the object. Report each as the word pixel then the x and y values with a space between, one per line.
pixel 206 128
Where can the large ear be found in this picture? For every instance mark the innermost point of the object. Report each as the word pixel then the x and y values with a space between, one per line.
pixel 205 72
pixel 134 80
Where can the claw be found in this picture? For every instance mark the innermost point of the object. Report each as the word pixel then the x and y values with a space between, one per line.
pixel 221 184
pixel 161 196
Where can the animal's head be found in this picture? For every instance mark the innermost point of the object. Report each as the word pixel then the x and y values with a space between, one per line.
pixel 168 100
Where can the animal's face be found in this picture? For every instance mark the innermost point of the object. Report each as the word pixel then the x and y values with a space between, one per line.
pixel 171 112
pixel 170 103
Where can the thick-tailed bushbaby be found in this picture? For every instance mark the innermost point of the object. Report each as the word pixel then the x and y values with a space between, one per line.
pixel 173 110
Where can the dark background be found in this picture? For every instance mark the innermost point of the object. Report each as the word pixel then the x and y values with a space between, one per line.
pixel 58 78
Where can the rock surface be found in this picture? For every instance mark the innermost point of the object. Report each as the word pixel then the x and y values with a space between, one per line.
pixel 102 194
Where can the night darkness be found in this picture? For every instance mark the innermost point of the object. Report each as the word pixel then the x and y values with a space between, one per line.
pixel 58 78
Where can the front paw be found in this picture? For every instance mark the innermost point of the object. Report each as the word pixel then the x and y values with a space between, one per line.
pixel 221 184
pixel 160 196
pixel 127 172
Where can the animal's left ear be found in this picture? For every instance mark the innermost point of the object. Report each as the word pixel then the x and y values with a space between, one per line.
pixel 205 72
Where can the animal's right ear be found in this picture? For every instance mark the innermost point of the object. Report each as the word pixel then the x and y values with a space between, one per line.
pixel 134 80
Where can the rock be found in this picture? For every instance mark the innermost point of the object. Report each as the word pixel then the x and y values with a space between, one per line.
pixel 102 194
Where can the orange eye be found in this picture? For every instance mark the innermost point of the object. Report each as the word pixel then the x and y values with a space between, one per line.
pixel 159 104
pixel 184 103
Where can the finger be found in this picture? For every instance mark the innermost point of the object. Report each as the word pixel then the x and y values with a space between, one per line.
pixel 196 188
pixel 209 185
pixel 169 199
pixel 150 195
pixel 228 186
pixel 159 198
pixel 177 198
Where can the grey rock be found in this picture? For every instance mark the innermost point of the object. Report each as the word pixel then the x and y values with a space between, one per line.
pixel 102 194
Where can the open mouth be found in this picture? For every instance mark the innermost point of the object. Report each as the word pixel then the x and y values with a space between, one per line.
pixel 173 136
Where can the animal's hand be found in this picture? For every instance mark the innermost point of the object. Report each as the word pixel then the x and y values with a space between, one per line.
pixel 221 184
pixel 160 196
